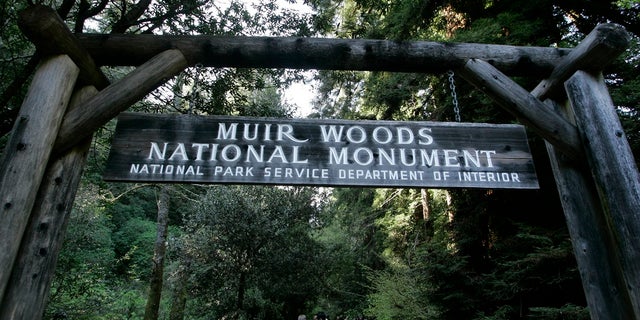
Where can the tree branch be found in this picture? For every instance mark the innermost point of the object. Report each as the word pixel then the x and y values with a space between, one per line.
pixel 131 17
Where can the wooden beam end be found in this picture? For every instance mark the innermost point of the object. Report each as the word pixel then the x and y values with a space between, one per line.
pixel 613 35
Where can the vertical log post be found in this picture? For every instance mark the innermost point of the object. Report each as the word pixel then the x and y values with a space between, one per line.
pixel 596 249
pixel 27 153
pixel 593 247
pixel 35 265
pixel 614 171
pixel 602 278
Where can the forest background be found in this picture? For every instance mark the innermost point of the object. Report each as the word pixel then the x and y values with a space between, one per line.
pixel 136 251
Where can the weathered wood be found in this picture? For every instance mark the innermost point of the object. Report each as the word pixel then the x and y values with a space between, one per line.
pixel 28 150
pixel 598 260
pixel 320 53
pixel 42 25
pixel 98 110
pixel 33 270
pixel 594 52
pixel 524 106
pixel 186 148
pixel 594 248
pixel 602 278
pixel 614 170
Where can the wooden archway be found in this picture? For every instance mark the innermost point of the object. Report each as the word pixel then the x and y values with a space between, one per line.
pixel 594 169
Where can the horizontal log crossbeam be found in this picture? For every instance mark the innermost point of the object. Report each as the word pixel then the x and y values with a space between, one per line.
pixel 320 53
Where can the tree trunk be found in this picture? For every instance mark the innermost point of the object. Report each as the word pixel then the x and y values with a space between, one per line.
pixel 179 299
pixel 425 198
pixel 155 287
pixel 242 283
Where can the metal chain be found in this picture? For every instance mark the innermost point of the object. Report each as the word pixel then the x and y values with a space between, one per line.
pixel 454 95
pixel 196 77
pixel 195 90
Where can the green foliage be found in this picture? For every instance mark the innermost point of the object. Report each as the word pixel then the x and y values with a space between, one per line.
pixel 566 312
pixel 481 254
pixel 134 247
pixel 399 294
pixel 15 66
pixel 628 4
pixel 348 236
pixel 251 252
pixel 265 102
pixel 84 262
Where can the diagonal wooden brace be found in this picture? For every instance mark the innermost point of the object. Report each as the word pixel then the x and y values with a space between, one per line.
pixel 524 106
pixel 81 122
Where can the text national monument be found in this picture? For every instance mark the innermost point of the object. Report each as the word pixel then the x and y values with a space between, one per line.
pixel 319 152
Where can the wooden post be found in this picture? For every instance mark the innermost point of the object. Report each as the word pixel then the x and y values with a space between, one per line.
pixel 320 53
pixel 27 153
pixel 33 270
pixel 614 171
pixel 593 246
pixel 595 249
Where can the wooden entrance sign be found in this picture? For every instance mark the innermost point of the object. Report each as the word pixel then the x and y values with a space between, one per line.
pixel 197 149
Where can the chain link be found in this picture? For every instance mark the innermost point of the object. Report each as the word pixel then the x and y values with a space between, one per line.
pixel 195 91
pixel 454 95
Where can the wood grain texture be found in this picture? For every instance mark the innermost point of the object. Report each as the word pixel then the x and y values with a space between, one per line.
pixel 614 170
pixel 27 152
pixel 99 109
pixel 524 106
pixel 42 25
pixel 595 251
pixel 594 248
pixel 599 48
pixel 35 264
pixel 321 53
pixel 367 153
